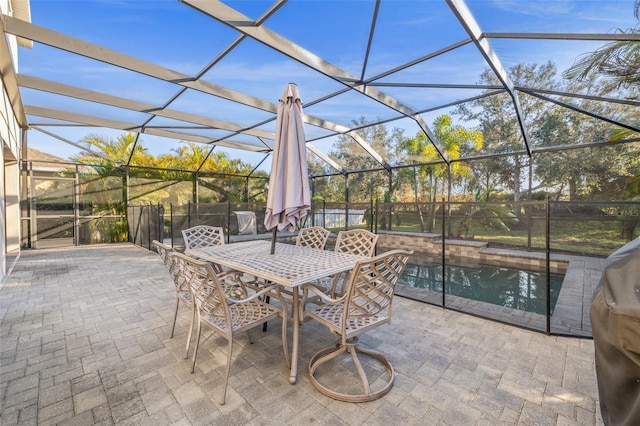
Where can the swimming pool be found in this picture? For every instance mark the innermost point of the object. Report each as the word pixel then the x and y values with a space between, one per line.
pixel 512 288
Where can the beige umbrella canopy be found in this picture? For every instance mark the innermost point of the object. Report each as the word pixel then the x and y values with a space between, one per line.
pixel 288 199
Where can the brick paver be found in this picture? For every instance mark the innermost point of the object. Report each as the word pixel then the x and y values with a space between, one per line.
pixel 85 340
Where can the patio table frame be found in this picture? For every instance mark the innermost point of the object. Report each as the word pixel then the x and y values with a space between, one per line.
pixel 290 267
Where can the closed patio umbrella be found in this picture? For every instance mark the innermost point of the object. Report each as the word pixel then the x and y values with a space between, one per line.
pixel 288 199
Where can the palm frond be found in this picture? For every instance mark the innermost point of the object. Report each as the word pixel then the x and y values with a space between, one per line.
pixel 619 134
pixel 619 60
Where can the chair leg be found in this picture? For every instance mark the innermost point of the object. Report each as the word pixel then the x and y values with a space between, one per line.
pixel 226 378
pixel 193 319
pixel 264 326
pixel 195 351
pixel 324 356
pixel 175 315
pixel 352 348
pixel 363 377
pixel 285 345
pixel 385 363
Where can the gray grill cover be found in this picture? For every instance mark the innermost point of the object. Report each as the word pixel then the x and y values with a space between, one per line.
pixel 615 320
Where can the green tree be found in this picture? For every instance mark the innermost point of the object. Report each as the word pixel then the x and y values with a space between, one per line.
pixel 576 173
pixel 157 178
pixel 350 155
pixel 214 169
pixel 104 192
pixel 455 141
pixel 323 187
pixel 585 173
pixel 500 127
pixel 488 175
pixel 617 66
pixel 115 153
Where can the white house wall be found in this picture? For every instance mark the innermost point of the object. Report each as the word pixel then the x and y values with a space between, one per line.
pixel 10 135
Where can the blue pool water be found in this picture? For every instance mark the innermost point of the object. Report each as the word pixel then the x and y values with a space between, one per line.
pixel 512 288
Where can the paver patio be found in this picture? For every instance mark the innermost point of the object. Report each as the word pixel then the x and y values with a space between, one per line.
pixel 85 340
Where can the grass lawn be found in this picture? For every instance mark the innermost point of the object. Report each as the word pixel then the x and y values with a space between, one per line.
pixel 590 238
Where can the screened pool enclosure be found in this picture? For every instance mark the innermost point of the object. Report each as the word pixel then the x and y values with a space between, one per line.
pixel 484 125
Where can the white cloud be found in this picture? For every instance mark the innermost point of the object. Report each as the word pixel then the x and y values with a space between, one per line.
pixel 540 8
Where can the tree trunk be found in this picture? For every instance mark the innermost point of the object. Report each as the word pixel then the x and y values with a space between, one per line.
pixel 432 215
pixel 488 191
pixel 517 193
pixel 573 190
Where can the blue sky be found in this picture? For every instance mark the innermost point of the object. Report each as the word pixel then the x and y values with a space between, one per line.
pixel 173 35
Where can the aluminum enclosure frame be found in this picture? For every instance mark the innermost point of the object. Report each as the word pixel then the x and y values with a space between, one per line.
pixel 371 87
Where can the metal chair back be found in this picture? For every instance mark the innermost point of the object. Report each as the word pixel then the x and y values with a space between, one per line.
pixel 314 237
pixel 202 236
pixel 357 241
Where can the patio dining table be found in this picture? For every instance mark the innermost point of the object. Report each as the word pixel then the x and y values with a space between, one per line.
pixel 290 267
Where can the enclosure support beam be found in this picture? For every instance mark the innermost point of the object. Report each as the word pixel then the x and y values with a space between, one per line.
pixel 469 23
pixel 241 23
pixel 583 111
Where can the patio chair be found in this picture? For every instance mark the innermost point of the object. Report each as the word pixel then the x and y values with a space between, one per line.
pixel 225 314
pixel 314 237
pixel 365 305
pixel 203 236
pixel 166 253
pixel 183 290
pixel 356 241
pixel 183 293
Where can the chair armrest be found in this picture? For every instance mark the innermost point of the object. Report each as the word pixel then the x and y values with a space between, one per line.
pixel 306 288
pixel 265 290
pixel 233 278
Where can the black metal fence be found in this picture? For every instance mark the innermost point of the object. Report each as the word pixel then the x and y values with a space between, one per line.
pixel 533 264
pixel 145 224
pixel 464 250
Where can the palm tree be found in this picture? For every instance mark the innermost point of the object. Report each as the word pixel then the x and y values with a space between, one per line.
pixel 489 215
pixel 155 179
pixel 114 153
pixel 104 192
pixel 197 157
pixel 455 141
pixel 619 63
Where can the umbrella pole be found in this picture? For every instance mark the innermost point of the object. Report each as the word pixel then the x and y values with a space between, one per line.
pixel 274 232
pixel 273 239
